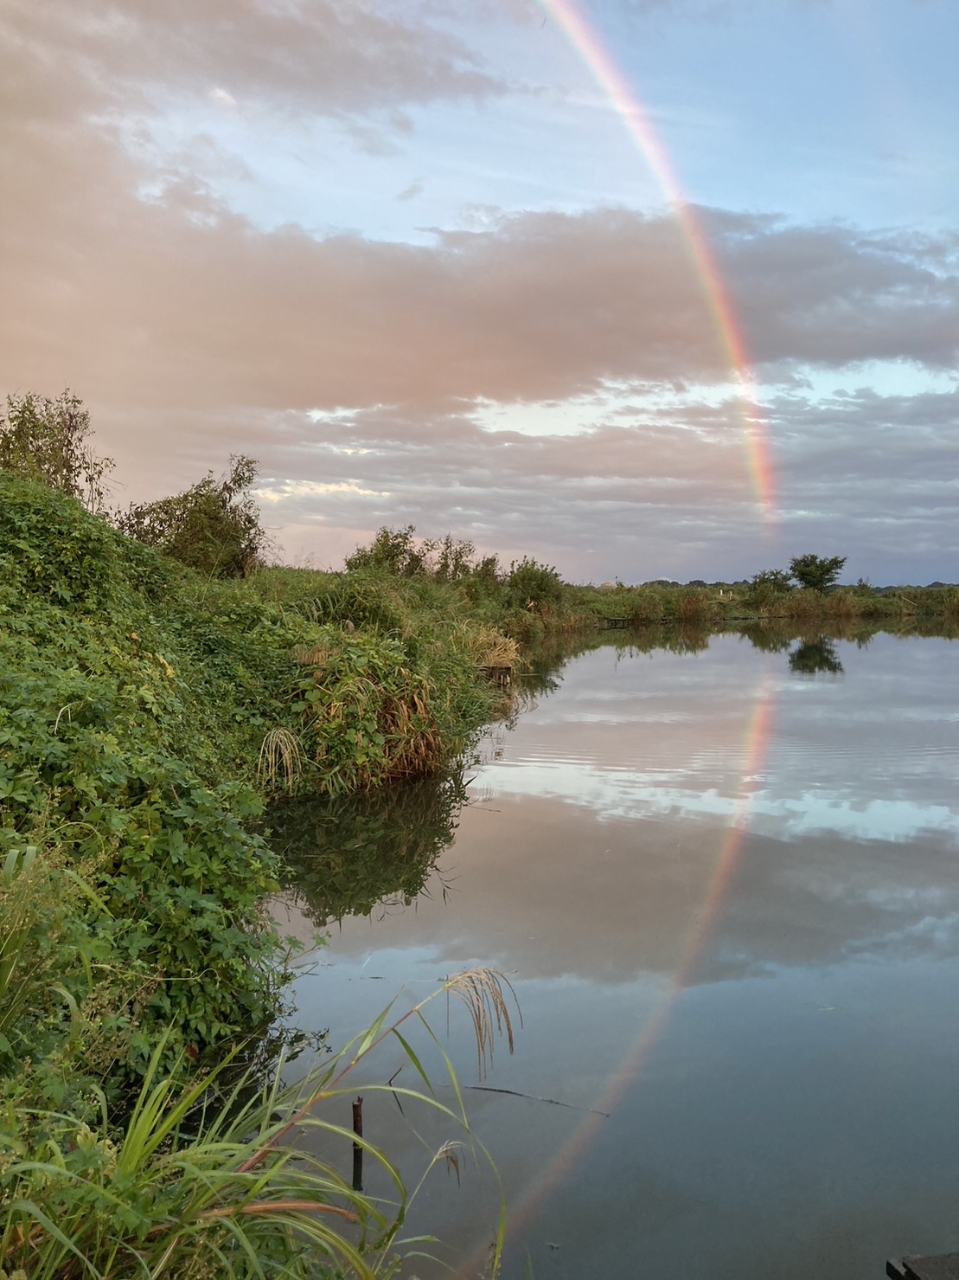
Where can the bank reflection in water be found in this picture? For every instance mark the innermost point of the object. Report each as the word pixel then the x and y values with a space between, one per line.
pixel 355 854
pixel 771 1019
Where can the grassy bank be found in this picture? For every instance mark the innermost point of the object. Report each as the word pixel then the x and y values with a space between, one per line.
pixel 148 711
pixel 146 715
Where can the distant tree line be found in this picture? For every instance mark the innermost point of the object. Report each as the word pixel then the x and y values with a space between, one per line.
pixel 214 526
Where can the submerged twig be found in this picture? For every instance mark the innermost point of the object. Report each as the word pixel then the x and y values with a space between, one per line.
pixel 515 1093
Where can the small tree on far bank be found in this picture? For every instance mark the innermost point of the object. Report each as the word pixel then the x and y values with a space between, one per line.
pixel 775 581
pixel 816 573
pixel 767 586
pixel 400 552
pixel 214 527
pixel 47 440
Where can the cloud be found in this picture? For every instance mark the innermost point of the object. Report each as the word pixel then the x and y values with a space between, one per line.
pixel 223 99
pixel 308 54
pixel 183 300
pixel 412 191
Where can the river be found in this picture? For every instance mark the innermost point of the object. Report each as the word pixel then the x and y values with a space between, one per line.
pixel 723 884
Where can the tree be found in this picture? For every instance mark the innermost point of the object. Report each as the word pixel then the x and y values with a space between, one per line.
pixel 400 552
pixel 814 656
pixel 214 527
pixel 816 573
pixel 775 581
pixel 46 440
pixel 395 551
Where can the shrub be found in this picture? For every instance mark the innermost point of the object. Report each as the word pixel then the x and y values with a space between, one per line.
pixel 646 605
pixel 400 553
pixel 531 585
pixel 367 716
pixel 213 527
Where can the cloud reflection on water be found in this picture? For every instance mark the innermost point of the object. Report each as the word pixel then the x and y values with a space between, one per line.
pixel 592 840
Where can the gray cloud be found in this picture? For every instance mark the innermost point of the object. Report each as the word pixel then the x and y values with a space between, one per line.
pixel 832 295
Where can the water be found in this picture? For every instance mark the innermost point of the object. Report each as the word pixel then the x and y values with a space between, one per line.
pixel 723 885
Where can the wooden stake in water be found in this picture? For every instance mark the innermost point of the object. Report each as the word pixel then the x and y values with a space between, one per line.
pixel 357 1149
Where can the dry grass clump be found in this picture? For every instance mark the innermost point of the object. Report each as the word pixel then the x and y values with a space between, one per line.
pixel 692 605
pixel 802 604
pixel 413 743
pixel 280 764
pixel 309 655
pixel 843 604
pixel 485 645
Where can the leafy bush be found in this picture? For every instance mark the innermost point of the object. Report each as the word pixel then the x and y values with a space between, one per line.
pixel 530 585
pixel 767 588
pixel 400 553
pixel 214 527
pixel 395 551
pixel 367 715
pixel 52 548
pixel 118 741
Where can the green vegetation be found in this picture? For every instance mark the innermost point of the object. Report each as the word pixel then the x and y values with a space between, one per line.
pixel 213 527
pixel 144 711
pixel 816 573
pixel 216 1175
pixel 48 440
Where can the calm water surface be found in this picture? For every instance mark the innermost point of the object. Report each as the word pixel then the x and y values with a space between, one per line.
pixel 724 887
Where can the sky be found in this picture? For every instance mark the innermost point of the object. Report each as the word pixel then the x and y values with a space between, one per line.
pixel 641 288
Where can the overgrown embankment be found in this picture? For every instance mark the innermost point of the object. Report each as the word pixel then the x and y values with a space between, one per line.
pixel 145 714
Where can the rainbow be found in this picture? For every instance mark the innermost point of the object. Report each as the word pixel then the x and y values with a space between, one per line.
pixel 589 46
pixel 756 740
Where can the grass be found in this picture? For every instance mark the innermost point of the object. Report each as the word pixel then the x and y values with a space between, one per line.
pixel 207 1180
pixel 280 764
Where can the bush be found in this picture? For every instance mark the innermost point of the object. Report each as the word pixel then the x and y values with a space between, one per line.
pixel 400 553
pixel 50 547
pixel 213 527
pixel 116 738
pixel 530 585
pixel 369 713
